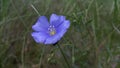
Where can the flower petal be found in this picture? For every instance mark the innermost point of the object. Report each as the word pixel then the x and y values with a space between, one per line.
pixel 56 19
pixel 52 39
pixel 63 26
pixel 61 30
pixel 41 24
pixel 53 18
pixel 39 37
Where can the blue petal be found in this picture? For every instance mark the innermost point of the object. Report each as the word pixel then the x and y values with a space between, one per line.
pixel 63 25
pixel 52 39
pixel 41 24
pixel 61 30
pixel 53 18
pixel 56 19
pixel 39 37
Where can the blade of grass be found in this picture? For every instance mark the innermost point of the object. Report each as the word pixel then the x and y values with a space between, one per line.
pixel 35 9
pixel 115 12
pixel 41 57
pixel 22 52
pixel 63 55
pixel 94 27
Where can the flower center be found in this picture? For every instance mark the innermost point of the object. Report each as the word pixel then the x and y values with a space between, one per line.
pixel 51 30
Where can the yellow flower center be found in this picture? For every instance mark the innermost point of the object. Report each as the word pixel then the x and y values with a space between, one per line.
pixel 51 30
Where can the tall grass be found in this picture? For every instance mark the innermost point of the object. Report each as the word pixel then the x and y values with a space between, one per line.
pixel 92 41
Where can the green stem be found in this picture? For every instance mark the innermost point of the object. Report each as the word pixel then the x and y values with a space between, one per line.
pixel 22 52
pixel 63 56
pixel 40 62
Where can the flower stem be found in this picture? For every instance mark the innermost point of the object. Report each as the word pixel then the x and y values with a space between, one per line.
pixel 40 62
pixel 63 56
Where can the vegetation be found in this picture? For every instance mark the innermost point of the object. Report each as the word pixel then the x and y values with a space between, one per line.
pixel 92 41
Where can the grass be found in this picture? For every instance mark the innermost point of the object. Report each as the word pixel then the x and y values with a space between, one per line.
pixel 92 40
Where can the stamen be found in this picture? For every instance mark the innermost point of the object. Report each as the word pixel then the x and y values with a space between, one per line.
pixel 52 33
pixel 51 30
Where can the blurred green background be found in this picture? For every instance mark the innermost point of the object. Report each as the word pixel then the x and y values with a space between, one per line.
pixel 92 41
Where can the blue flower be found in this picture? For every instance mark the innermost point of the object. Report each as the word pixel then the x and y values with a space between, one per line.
pixel 50 33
